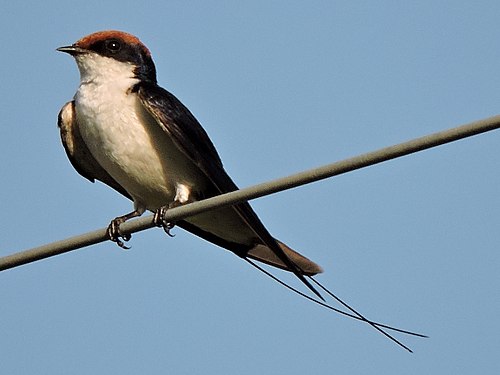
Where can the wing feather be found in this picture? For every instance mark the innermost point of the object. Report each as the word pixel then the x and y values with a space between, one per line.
pixel 189 136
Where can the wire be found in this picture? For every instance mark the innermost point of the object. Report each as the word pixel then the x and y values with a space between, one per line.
pixel 256 191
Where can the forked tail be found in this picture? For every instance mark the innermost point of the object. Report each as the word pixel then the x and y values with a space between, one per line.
pixel 355 315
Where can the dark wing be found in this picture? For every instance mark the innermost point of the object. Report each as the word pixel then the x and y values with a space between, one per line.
pixel 188 135
pixel 78 153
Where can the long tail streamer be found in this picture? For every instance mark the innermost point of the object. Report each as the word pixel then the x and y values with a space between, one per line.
pixel 355 315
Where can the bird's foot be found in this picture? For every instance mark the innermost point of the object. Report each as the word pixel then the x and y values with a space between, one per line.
pixel 114 232
pixel 159 219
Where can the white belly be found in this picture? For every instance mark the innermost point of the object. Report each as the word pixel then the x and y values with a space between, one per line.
pixel 133 149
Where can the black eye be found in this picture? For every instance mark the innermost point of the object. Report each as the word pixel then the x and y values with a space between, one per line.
pixel 113 45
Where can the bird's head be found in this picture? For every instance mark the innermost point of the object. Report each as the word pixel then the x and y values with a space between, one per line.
pixel 112 55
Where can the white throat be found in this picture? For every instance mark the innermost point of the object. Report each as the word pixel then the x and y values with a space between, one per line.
pixel 97 69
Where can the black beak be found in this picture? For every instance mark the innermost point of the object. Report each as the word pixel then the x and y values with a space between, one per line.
pixel 72 50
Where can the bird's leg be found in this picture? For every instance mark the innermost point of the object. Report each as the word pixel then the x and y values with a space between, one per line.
pixel 159 218
pixel 183 195
pixel 113 230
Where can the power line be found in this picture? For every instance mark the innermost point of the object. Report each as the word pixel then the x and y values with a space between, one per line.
pixel 257 191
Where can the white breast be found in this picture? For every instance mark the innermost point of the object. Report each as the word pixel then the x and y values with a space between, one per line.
pixel 130 145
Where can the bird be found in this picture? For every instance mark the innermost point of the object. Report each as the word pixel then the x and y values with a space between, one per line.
pixel 121 128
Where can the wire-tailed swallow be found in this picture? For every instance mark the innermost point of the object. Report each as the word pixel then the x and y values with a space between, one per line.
pixel 123 129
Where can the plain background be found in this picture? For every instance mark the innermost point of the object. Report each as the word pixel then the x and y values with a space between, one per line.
pixel 280 87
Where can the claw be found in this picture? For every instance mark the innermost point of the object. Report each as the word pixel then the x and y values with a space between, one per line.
pixel 115 235
pixel 167 228
pixel 159 220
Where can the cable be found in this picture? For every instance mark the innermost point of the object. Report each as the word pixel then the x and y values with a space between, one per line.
pixel 256 191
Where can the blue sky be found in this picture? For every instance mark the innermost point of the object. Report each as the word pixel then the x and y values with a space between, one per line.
pixel 280 87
